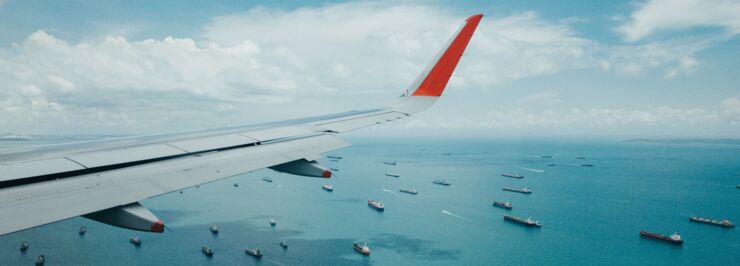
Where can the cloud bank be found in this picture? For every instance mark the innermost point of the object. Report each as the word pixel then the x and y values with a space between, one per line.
pixel 266 64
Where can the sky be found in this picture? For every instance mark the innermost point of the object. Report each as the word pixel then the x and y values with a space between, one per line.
pixel 655 68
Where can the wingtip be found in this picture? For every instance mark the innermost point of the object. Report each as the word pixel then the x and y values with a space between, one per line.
pixel 434 80
pixel 476 17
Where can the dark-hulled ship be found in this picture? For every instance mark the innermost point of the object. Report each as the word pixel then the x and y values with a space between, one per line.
pixel 513 176
pixel 377 205
pixel 524 190
pixel 675 238
pixel 361 248
pixel 528 221
pixel 207 251
pixel 409 191
pixel 253 252
pixel 506 205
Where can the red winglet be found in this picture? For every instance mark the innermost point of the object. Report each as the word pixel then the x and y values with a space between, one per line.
pixel 157 227
pixel 436 80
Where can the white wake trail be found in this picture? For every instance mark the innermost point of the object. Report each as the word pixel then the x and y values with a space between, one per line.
pixel 533 170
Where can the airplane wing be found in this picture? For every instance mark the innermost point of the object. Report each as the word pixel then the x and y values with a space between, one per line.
pixel 104 180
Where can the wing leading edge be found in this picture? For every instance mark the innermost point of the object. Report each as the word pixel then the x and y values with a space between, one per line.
pixel 48 184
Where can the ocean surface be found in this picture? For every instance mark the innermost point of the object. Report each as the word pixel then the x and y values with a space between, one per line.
pixel 589 215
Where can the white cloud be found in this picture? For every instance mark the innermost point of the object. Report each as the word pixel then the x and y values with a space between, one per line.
pixel 265 63
pixel 731 110
pixel 266 56
pixel 671 15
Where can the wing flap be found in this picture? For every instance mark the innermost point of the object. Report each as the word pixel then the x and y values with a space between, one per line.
pixel 16 170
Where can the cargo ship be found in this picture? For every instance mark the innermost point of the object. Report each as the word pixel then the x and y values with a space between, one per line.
pixel 267 179
pixel 327 188
pixel 513 176
pixel 675 238
pixel 505 204
pixel 443 182
pixel 723 223
pixel 392 175
pixel 207 251
pixel 334 157
pixel 524 190
pixel 410 191
pixel 362 248
pixel 546 156
pixel 377 205
pixel 253 252
pixel 390 163
pixel 528 222
pixel 587 165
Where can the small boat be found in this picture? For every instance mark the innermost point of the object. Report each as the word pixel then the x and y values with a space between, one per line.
pixel 40 259
pixel 334 157
pixel 284 244
pixel 587 165
pixel 362 248
pixel 738 186
pixel 546 156
pixel 207 251
pixel 723 223
pixel 392 175
pixel 180 191
pixel 551 164
pixel 236 184
pixel 24 246
pixel 409 190
pixel 333 160
pixel 272 222
pixel 83 230
pixel 447 154
pixel 581 158
pixel 389 163
pixel 528 222
pixel 513 176
pixel 675 238
pixel 328 188
pixel 376 205
pixel 267 179
pixel 524 190
pixel 135 240
pixel 505 204
pixel 253 252
pixel 443 182
pixel 334 169
pixel 214 229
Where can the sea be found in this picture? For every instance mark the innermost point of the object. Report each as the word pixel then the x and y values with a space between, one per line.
pixel 589 215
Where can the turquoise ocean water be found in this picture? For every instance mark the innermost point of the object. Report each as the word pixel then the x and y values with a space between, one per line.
pixel 590 215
